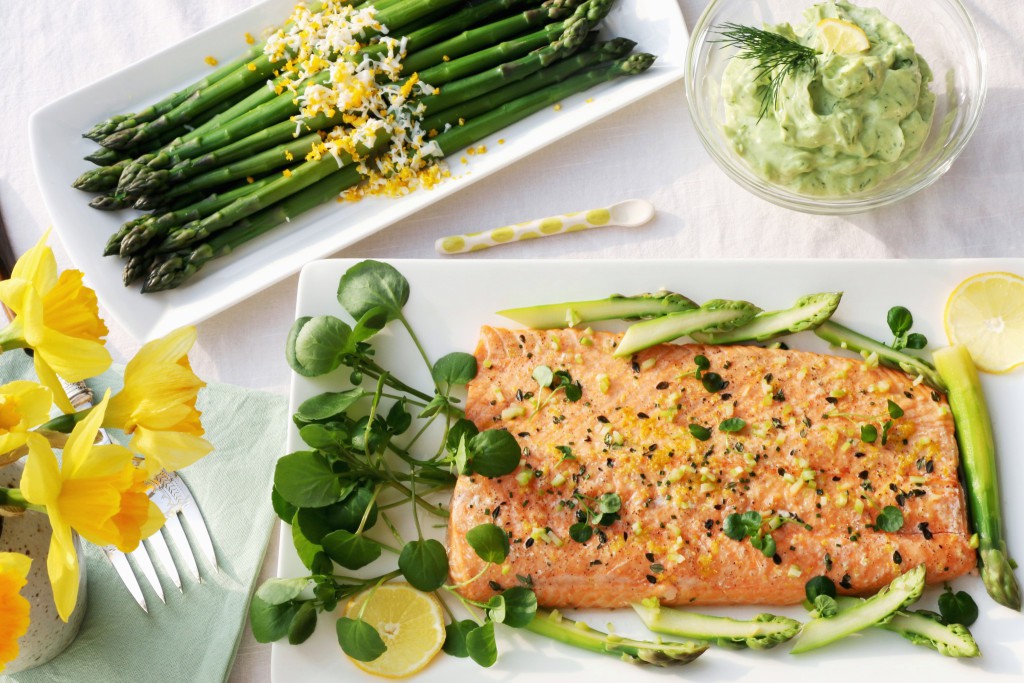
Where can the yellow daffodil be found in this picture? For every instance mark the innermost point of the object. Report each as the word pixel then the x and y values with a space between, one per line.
pixel 96 490
pixel 23 405
pixel 13 606
pixel 157 405
pixel 58 317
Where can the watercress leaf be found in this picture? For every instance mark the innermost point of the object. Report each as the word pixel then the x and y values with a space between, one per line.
pixel 455 369
pixel 916 341
pixel 733 424
pixel 369 324
pixel 768 546
pixel 481 646
pixel 820 585
pixel 436 405
pixel 890 519
pixel 496 608
pixel 319 345
pixel 868 433
pixel 289 346
pixel 455 637
pixel 494 453
pixel 398 419
pixel 328 405
pixel 543 376
pixel 826 606
pixel 321 437
pixel 280 591
pixel 285 510
pixel 372 284
pixel 349 513
pixel 378 434
pixel 461 428
pixel 895 411
pixel 349 550
pixel 359 640
pixel 900 320
pixel 573 392
pixel 305 548
pixel 712 382
pixel 520 606
pixel 700 433
pixel 609 502
pixel 303 624
pixel 270 622
pixel 322 565
pixel 462 458
pixel 305 479
pixel 580 532
pixel 738 525
pixel 489 542
pixel 958 608
pixel 424 564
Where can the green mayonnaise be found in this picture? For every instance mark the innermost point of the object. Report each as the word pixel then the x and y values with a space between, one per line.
pixel 842 126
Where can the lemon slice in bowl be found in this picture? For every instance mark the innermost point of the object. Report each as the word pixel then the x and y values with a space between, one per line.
pixel 409 622
pixel 842 37
pixel 985 313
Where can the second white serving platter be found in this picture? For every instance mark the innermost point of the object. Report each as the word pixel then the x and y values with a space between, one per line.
pixel 58 150
pixel 449 302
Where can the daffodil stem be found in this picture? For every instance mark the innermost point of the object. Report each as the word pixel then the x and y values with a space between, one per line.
pixel 14 498
pixel 65 423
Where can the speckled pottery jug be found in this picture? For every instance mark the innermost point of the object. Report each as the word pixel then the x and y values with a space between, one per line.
pixel 29 534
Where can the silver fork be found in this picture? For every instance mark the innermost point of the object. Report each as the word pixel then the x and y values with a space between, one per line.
pixel 173 497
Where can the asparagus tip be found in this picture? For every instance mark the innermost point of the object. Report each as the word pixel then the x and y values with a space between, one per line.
pixel 1000 581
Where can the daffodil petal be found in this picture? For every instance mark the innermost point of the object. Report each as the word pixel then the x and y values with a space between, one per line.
pixel 41 481
pixel 82 438
pixel 49 378
pixel 62 566
pixel 38 266
pixel 167 349
pixel 72 358
pixel 168 450
pixel 14 568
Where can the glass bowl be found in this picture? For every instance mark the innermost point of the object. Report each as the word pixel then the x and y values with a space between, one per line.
pixel 944 35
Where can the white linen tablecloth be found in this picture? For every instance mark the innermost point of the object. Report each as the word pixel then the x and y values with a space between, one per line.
pixel 649 150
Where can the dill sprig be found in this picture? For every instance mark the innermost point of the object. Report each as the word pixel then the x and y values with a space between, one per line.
pixel 774 54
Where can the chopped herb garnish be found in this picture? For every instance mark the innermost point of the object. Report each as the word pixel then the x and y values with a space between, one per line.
pixel 890 519
pixel 868 433
pixel 712 382
pixel 701 433
pixel 733 424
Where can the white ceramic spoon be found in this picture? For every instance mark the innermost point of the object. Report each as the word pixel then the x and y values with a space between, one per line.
pixel 626 214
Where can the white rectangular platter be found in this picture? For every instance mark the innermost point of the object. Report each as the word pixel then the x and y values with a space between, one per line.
pixel 58 150
pixel 451 300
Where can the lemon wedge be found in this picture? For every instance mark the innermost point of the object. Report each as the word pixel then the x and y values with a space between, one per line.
pixel 985 313
pixel 409 622
pixel 842 37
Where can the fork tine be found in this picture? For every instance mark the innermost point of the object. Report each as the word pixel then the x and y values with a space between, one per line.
pixel 141 557
pixel 124 570
pixel 196 523
pixel 163 555
pixel 173 527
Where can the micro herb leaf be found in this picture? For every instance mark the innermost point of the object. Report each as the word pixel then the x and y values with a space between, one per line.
pixel 359 640
pixel 916 341
pixel 543 376
pixel 520 606
pixel 303 624
pixel 580 532
pixel 455 637
pixel 424 564
pixel 895 412
pixel 733 424
pixel 329 405
pixel 739 525
pixel 455 369
pixel 316 345
pixel 890 519
pixel 900 320
pixel 573 392
pixel 700 433
pixel 868 433
pixel 489 542
pixel 285 510
pixel 826 606
pixel 305 479
pixel 349 550
pixel 767 546
pixel 463 429
pixel 372 284
pixel 566 452
pixel 494 453
pixel 702 362
pixel 885 431
pixel 270 622
pixel 481 646
pixel 820 585
pixel 609 503
pixel 712 382
pixel 958 608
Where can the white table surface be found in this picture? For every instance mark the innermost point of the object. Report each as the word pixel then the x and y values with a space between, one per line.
pixel 649 150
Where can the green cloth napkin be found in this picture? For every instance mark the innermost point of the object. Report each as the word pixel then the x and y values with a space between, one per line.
pixel 194 636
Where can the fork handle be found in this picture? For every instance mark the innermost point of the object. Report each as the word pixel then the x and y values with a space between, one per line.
pixel 79 394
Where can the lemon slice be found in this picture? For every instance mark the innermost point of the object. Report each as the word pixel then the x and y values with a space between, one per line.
pixel 842 37
pixel 409 622
pixel 985 313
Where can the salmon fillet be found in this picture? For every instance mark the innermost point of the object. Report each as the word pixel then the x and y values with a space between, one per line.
pixel 799 455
